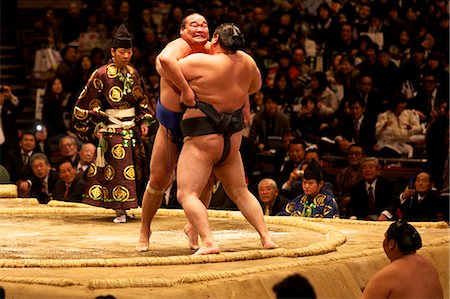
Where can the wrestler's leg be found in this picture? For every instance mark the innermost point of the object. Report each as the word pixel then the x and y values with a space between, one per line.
pixel 162 163
pixel 205 198
pixel 191 181
pixel 232 176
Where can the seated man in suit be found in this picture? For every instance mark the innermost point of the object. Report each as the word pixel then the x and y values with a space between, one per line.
pixel 421 203
pixel 43 181
pixel 17 161
pixel 70 186
pixel 271 201
pixel 87 154
pixel 357 128
pixel 314 202
pixel 372 198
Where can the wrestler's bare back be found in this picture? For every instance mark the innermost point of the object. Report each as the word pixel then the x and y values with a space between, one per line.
pixel 223 80
pixel 169 93
pixel 411 276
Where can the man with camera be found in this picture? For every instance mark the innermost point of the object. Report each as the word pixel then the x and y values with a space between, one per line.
pixel 9 109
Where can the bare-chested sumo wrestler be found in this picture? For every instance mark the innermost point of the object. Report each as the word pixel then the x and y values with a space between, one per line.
pixel 222 83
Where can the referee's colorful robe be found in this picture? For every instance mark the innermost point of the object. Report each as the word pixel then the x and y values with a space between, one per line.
pixel 121 181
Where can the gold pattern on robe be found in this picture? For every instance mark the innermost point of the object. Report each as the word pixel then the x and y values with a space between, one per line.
pixel 125 105
pixel 96 192
pixel 80 114
pixel 120 193
pixel 83 93
pixel 92 75
pixel 112 71
pixel 118 152
pixel 137 92
pixel 95 103
pixel 130 69
pixel 109 172
pixel 80 127
pixel 115 94
pixel 111 130
pixel 105 192
pixel 92 170
pixel 144 103
pixel 128 172
pixel 98 84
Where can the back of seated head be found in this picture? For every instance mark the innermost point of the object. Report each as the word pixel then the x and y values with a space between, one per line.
pixel 405 235
pixel 294 286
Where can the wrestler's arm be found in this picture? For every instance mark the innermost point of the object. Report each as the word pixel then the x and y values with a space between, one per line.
pixel 255 85
pixel 379 285
pixel 168 67
pixel 194 65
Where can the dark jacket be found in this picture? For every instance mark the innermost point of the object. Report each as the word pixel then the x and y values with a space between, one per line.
pixel 36 187
pixel 425 210
pixel 76 190
pixel 384 198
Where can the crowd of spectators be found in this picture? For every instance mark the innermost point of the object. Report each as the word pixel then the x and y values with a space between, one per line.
pixel 339 76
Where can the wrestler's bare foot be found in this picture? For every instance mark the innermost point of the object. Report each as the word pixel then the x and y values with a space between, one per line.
pixel 212 249
pixel 268 243
pixel 192 236
pixel 143 243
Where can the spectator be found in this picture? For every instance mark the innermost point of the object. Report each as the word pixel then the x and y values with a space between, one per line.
pixel 344 44
pixel 55 112
pixel 303 69
pixel 429 97
pixel 386 76
pixel 73 23
pixel 68 149
pixel 420 202
pixel 321 26
pixel 437 145
pixel 271 201
pixel 358 128
pixel 296 153
pixel 70 186
pixel 307 120
pixel 327 100
pixel 67 72
pixel 349 176
pixel 409 274
pixel 43 181
pixel 348 76
pixel 313 202
pixel 47 32
pixel 374 103
pixel 43 144
pixel 84 71
pixel 10 108
pixel 268 124
pixel 17 161
pixel 394 129
pixel 4 175
pixel 294 286
pixel 412 68
pixel 283 92
pixel 87 154
pixel 372 198
pixel 293 186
